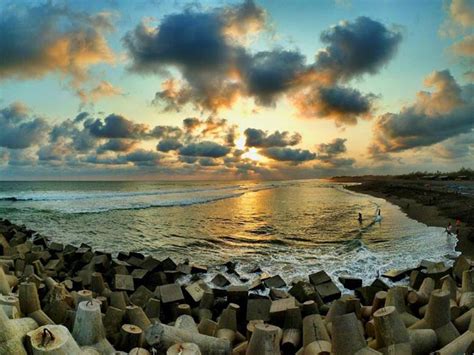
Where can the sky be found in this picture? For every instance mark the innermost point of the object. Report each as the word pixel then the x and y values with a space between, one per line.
pixel 252 89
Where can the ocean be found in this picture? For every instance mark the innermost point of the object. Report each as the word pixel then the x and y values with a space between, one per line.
pixel 291 228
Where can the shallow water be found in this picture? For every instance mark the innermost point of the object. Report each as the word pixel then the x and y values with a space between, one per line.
pixel 292 228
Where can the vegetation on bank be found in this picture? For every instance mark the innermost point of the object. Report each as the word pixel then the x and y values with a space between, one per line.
pixel 461 174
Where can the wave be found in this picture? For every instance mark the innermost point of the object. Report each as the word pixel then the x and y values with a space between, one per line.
pixel 68 196
pixel 174 203
pixel 104 201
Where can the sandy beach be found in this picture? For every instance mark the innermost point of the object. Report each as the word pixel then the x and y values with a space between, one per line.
pixel 434 203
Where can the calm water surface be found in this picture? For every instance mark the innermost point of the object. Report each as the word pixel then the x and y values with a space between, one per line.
pixel 292 227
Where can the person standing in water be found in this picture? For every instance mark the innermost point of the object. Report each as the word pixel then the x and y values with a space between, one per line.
pixel 449 228
pixel 360 218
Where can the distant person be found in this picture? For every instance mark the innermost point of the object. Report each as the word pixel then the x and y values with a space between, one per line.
pixel 378 216
pixel 360 218
pixel 449 228
pixel 458 223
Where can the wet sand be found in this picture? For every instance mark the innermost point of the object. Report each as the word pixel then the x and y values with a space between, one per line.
pixel 431 203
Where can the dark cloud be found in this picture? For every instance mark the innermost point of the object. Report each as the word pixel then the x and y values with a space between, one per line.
pixel 143 157
pixel 168 144
pixel 261 139
pixel 435 116
pixel 459 147
pixel 116 126
pixel 191 123
pixel 208 162
pixel 166 132
pixel 18 130
pixel 117 145
pixel 195 43
pixel 336 147
pixel 37 40
pixel 205 149
pixel 341 104
pixel 288 154
pixel 356 48
pixel 271 73
pixel 188 159
pixel 217 69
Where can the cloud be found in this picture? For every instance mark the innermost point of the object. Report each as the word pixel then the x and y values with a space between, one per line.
pixel 336 147
pixel 341 104
pixel 143 157
pixel 168 144
pixel 288 154
pixel 461 15
pixel 18 130
pixel 356 48
pixel 261 139
pixel 435 116
pixel 103 89
pixel 204 149
pixel 216 69
pixel 116 126
pixel 196 44
pixel 208 162
pixel 48 38
pixel 243 19
pixel 458 147
pixel 166 132
pixel 117 145
pixel 269 74
pixel 191 123
pixel 464 47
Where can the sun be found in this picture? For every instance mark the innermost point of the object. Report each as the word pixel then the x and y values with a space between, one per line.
pixel 251 153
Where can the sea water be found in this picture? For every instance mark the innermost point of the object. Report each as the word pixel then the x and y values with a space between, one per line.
pixel 291 228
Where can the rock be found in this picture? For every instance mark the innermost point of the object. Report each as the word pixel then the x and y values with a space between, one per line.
pixel 351 283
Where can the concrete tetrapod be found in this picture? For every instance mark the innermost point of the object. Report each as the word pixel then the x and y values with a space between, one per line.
pixel 316 338
pixel 466 301
pixel 53 340
pixel 164 336
pixel 438 318
pixel 88 328
pixel 347 338
pixel 184 349
pixel 12 333
pixel 422 296
pixel 396 298
pixel 461 344
pixel 390 332
pixel 265 340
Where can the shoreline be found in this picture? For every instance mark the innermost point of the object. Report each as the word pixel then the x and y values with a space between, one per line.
pixel 433 205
